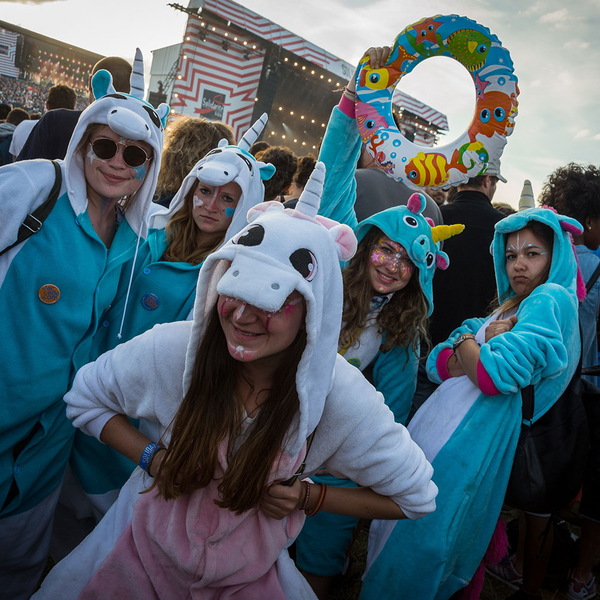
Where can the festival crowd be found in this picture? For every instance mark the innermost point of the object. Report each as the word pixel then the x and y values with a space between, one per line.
pixel 224 364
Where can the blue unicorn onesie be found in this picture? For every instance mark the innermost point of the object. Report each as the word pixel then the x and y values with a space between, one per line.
pixel 53 288
pixel 325 538
pixel 470 437
pixel 153 291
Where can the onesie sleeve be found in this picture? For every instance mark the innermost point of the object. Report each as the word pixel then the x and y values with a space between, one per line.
pixel 141 378
pixel 359 439
pixel 340 151
pixel 395 376
pixel 537 347
pixel 468 326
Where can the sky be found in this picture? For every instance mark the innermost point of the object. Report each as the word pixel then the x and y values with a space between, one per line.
pixel 552 45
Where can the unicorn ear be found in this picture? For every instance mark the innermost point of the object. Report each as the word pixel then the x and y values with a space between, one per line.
pixel 137 76
pixel 163 112
pixel 345 241
pixel 266 170
pixel 416 203
pixel 102 84
pixel 571 225
pixel 441 260
pixel 222 143
pixel 263 207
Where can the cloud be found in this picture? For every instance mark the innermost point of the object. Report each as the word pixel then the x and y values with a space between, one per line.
pixel 596 137
pixel 30 1
pixel 576 45
pixel 559 18
pixel 583 134
pixel 532 10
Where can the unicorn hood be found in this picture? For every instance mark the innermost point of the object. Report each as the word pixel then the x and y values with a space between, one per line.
pixel 279 251
pixel 407 226
pixel 130 117
pixel 224 165
pixel 563 268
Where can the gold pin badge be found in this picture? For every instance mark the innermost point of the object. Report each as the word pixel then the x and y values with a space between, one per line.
pixel 49 294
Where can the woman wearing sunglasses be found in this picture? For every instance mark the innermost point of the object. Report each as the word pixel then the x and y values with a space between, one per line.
pixel 159 284
pixel 53 288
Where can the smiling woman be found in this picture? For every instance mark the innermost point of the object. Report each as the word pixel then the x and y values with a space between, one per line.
pixel 58 283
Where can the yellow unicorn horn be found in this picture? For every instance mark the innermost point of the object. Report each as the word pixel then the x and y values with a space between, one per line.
pixel 443 232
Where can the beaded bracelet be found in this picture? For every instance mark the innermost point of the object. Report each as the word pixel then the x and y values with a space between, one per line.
pixel 320 501
pixel 147 455
pixel 306 497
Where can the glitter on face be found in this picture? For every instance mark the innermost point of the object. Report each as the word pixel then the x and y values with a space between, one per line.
pixel 92 155
pixel 240 311
pixel 229 212
pixel 240 352
pixel 197 202
pixel 395 260
pixel 521 248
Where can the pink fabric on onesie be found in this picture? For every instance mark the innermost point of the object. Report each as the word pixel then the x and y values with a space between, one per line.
pixel 191 548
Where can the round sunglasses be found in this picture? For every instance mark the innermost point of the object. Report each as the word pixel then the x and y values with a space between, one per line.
pixel 133 156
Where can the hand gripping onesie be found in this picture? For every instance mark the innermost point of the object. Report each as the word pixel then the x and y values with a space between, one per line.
pixel 280 251
pixel 152 290
pixel 470 436
pixel 53 289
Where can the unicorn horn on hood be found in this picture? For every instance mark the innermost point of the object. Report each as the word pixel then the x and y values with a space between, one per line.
pixel 310 198
pixel 443 232
pixel 252 134
pixel 526 200
pixel 137 76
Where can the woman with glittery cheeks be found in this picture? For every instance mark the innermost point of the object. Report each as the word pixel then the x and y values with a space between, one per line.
pixel 469 427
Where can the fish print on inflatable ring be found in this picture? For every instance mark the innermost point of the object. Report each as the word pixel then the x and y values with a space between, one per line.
pixel 496 86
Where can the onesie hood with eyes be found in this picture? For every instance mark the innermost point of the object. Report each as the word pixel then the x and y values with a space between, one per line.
pixel 223 165
pixel 130 117
pixel 279 251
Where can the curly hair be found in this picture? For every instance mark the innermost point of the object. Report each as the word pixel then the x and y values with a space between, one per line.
pixel 403 319
pixel 187 141
pixel 306 166
pixel 285 161
pixel 573 191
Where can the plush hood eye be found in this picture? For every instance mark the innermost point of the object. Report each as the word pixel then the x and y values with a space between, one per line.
pixel 411 221
pixel 429 259
pixel 253 236
pixel 305 263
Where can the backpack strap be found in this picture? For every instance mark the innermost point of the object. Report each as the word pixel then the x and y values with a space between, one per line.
pixel 33 221
pixel 592 280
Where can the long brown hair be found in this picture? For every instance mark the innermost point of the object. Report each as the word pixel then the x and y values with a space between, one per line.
pixel 182 235
pixel 210 413
pixel 547 235
pixel 403 319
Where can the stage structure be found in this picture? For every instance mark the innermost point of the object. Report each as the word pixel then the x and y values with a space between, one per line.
pixel 30 56
pixel 234 64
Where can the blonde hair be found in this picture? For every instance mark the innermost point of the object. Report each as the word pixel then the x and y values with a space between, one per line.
pixel 403 320
pixel 188 140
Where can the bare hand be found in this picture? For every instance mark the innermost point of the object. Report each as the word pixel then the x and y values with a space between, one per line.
pixel 156 461
pixel 280 500
pixel 499 327
pixel 377 58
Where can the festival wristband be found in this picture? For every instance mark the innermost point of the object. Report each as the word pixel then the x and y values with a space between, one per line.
pixel 147 455
pixel 317 508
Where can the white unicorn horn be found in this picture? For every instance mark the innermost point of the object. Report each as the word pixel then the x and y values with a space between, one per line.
pixel 310 198
pixel 527 200
pixel 252 134
pixel 137 75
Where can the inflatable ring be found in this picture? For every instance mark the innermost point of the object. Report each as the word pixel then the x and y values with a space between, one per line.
pixel 491 68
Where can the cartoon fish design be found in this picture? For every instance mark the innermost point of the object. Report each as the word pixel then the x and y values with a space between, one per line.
pixel 369 121
pixel 379 79
pixel 432 168
pixel 469 47
pixel 465 153
pixel 492 113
